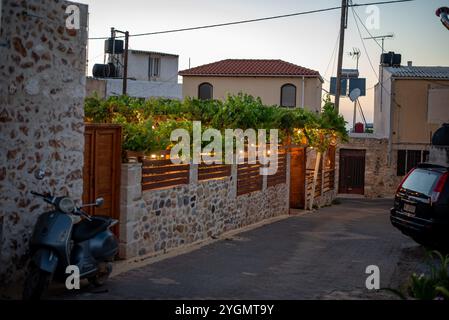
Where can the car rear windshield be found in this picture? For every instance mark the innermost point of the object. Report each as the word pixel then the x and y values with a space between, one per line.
pixel 421 181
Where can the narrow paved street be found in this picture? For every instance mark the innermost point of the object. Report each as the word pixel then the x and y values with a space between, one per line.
pixel 319 255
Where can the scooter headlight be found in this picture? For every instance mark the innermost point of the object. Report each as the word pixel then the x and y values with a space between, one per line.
pixel 66 205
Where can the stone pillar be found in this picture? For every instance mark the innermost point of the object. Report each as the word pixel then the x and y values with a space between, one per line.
pixel 193 174
pixel 264 182
pixel 234 173
pixel 130 206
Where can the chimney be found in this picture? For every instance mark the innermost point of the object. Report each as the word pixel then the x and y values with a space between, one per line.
pixel 409 63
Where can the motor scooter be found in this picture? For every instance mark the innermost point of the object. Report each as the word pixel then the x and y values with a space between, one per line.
pixel 68 236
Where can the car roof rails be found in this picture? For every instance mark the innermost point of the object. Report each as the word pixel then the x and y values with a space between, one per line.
pixel 431 166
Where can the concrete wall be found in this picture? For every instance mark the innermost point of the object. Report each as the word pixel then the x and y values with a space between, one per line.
pixel 382 107
pixel 144 89
pixel 138 67
pixel 95 86
pixel 159 220
pixel 267 88
pixel 42 88
pixel 406 104
pixel 410 113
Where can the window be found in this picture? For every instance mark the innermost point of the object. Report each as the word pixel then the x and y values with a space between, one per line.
pixel 408 159
pixel 421 181
pixel 205 91
pixel 154 67
pixel 288 96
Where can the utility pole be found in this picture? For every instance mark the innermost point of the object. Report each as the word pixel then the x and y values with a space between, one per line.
pixel 125 58
pixel 343 26
pixel 355 54
pixel 125 67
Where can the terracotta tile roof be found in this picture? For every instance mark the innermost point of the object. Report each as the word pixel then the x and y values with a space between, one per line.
pixel 250 67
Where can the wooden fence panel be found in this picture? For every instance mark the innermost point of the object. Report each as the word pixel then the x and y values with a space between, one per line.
pixel 281 175
pixel 213 171
pixel 249 178
pixel 157 174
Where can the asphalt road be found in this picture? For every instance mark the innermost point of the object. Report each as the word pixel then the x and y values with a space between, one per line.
pixel 319 255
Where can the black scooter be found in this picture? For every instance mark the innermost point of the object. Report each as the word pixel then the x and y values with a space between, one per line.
pixel 67 236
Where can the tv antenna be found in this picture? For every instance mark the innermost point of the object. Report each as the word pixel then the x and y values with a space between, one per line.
pixel 382 38
pixel 355 54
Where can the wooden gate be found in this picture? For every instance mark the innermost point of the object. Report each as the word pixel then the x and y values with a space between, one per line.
pixel 352 172
pixel 297 178
pixel 102 165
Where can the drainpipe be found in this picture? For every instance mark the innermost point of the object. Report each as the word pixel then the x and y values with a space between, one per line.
pixel 303 93
pixel 390 135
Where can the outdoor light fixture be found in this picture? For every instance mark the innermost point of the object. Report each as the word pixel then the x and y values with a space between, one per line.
pixel 443 14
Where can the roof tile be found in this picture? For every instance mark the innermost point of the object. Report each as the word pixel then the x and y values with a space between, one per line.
pixel 250 67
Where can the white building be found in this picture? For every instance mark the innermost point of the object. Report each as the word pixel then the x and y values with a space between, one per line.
pixel 150 74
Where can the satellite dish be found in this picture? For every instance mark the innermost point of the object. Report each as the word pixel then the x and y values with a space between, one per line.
pixel 355 94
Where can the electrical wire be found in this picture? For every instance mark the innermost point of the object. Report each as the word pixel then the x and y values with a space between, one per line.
pixel 255 20
pixel 369 59
pixel 332 58
pixel 361 112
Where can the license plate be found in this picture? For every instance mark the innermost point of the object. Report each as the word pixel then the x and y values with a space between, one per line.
pixel 410 209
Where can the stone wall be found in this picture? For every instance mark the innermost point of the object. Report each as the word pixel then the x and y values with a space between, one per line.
pixel 380 177
pixel 439 155
pixel 160 220
pixel 42 86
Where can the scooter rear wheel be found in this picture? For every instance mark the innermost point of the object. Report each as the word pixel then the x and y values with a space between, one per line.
pixel 102 275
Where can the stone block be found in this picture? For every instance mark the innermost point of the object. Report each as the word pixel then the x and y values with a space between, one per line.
pixel 130 194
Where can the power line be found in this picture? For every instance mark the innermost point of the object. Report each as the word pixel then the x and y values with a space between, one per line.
pixel 332 58
pixel 256 20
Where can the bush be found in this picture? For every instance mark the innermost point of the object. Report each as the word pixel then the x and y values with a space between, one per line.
pixel 147 124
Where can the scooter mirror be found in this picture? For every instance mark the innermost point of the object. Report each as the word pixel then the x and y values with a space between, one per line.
pixel 39 174
pixel 99 202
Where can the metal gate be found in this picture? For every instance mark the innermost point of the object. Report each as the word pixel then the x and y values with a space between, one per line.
pixel 102 165
pixel 352 171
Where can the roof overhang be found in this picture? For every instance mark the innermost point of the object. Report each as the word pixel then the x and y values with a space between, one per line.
pixel 252 76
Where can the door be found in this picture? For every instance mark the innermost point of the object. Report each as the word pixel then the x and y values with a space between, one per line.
pixel 101 172
pixel 352 172
pixel 297 178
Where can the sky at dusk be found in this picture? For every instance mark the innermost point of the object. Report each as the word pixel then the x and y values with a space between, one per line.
pixel 307 40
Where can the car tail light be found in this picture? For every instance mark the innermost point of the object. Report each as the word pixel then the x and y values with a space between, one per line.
pixel 439 186
pixel 403 180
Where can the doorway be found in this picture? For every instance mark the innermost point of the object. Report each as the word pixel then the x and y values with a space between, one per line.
pixel 352 171
pixel 297 178
pixel 102 166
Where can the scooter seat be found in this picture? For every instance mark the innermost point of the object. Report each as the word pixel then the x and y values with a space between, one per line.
pixel 86 229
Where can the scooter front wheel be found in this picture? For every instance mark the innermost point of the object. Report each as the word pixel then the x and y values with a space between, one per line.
pixel 36 283
pixel 100 278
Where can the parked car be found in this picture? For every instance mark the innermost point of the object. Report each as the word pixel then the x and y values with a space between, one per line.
pixel 421 205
